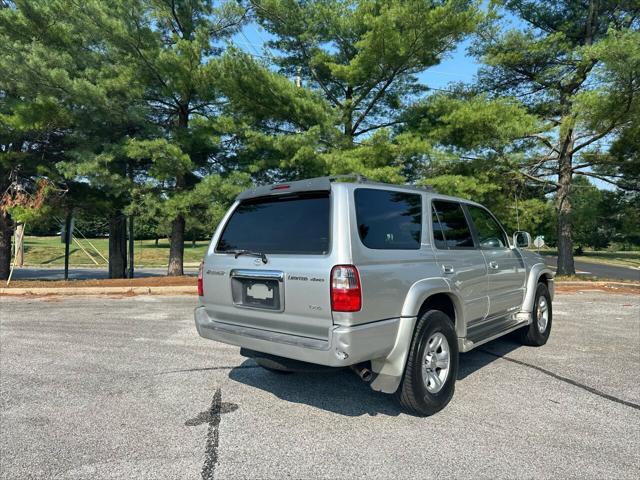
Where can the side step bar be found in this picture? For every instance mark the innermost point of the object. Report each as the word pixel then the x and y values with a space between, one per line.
pixel 485 333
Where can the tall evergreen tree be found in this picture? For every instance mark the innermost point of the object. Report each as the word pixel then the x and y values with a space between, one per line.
pixel 363 55
pixel 357 63
pixel 476 143
pixel 575 65
pixel 77 100
pixel 172 45
pixel 136 81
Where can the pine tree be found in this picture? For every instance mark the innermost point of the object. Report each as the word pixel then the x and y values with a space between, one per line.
pixel 363 56
pixel 575 64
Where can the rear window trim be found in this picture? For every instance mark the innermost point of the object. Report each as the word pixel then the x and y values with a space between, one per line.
pixel 277 198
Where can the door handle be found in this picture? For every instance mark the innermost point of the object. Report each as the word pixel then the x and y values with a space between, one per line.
pixel 448 269
pixel 494 265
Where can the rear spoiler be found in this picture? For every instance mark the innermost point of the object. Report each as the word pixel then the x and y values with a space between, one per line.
pixel 322 184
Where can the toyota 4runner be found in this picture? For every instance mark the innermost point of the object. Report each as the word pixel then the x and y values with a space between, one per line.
pixel 392 281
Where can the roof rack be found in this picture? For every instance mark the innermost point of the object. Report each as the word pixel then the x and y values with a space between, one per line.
pixel 359 178
pixel 317 184
pixel 348 176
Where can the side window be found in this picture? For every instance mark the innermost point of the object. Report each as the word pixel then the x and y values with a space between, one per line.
pixel 450 227
pixel 387 219
pixel 490 233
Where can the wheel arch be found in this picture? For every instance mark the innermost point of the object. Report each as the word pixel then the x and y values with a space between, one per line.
pixel 538 273
pixel 435 293
pixel 443 301
pixel 545 277
pixel 428 293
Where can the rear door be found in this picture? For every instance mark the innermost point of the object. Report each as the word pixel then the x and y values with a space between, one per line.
pixel 462 263
pixel 268 266
pixel 504 264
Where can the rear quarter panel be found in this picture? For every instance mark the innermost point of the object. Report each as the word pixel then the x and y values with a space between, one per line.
pixel 386 275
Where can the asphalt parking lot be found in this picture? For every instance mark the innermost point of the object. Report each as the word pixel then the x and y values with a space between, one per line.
pixel 124 388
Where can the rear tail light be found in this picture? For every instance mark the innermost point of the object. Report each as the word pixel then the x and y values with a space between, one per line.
pixel 346 293
pixel 200 285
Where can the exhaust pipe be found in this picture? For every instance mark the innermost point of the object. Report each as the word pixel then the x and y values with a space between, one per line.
pixel 365 374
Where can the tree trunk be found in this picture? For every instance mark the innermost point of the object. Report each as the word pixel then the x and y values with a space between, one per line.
pixel 118 246
pixel 19 247
pixel 563 207
pixel 176 239
pixel 6 231
pixel 565 231
pixel 68 234
pixel 347 117
pixel 176 247
pixel 131 247
pixel 566 265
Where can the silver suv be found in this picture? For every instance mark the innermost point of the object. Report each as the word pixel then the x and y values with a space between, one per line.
pixel 392 281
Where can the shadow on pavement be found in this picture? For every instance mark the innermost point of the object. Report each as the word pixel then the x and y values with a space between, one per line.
pixel 342 392
pixel 84 273
pixel 474 360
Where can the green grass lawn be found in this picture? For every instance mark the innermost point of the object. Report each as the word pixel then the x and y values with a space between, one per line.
pixel 49 251
pixel 625 259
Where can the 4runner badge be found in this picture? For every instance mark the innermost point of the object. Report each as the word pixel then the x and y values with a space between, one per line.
pixel 215 272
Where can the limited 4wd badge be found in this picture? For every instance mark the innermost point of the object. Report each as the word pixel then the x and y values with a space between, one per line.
pixel 302 278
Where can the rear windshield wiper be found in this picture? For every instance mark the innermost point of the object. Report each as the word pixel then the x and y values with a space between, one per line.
pixel 237 253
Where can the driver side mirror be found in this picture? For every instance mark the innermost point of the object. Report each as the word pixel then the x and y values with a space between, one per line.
pixel 522 239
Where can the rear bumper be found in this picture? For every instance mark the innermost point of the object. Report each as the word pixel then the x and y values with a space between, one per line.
pixel 359 343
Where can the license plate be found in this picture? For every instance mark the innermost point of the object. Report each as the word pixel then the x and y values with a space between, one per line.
pixel 260 291
pixel 259 294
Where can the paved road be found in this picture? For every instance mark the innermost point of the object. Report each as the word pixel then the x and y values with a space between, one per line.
pixel 86 273
pixel 124 388
pixel 600 270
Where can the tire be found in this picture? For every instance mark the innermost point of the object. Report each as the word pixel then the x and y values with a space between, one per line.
pixel 419 394
pixel 533 334
pixel 273 366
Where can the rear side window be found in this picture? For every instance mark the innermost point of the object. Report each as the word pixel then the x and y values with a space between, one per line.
pixel 293 224
pixel 388 220
pixel 450 227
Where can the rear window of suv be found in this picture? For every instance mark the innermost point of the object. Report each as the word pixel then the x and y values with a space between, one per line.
pixel 292 224
pixel 388 220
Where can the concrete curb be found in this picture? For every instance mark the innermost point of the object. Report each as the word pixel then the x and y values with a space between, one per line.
pixel 596 284
pixel 165 290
